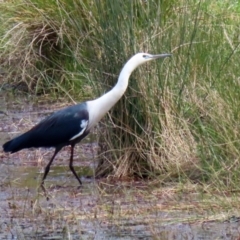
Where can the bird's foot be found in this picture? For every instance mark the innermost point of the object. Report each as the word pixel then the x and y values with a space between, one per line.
pixel 44 191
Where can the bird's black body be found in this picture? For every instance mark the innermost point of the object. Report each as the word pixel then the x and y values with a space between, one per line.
pixel 57 130
pixel 54 131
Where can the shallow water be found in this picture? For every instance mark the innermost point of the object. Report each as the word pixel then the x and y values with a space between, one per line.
pixel 100 209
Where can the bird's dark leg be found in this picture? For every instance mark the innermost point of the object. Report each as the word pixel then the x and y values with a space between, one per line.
pixel 47 168
pixel 71 164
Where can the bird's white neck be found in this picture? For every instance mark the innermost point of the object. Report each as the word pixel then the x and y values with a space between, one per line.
pixel 100 106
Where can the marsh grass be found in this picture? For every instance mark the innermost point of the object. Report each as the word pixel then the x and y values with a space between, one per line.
pixel 178 120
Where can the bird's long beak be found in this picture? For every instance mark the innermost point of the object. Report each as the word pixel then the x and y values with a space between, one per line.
pixel 161 55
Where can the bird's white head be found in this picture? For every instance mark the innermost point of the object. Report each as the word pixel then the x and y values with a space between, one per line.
pixel 140 58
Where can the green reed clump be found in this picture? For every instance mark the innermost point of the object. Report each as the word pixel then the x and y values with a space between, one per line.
pixel 175 117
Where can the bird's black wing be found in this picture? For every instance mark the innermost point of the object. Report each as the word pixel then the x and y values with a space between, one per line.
pixel 59 129
pixel 62 126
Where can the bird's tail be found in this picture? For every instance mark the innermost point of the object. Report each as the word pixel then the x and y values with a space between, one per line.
pixel 17 143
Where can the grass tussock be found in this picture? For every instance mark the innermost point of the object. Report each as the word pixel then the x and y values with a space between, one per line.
pixel 39 50
pixel 179 117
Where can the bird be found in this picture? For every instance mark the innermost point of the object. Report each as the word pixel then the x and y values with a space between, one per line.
pixel 70 125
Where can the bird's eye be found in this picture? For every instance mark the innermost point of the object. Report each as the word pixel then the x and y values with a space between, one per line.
pixel 145 56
